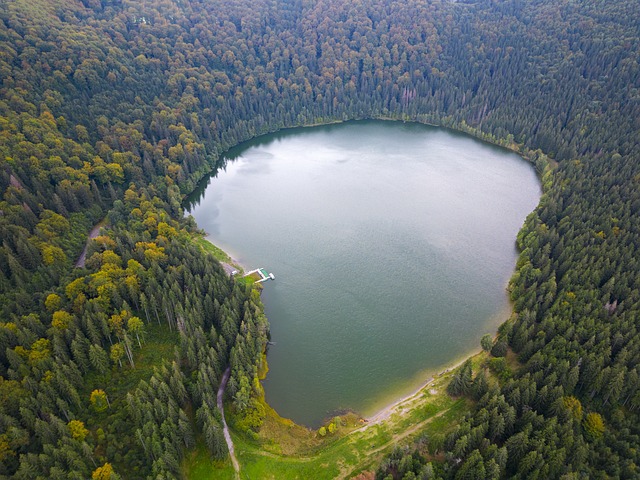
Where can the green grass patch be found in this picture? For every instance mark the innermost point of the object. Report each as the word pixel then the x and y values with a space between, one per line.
pixel 217 252
pixel 512 360
pixel 284 450
pixel 198 465
pixel 250 280
pixel 159 343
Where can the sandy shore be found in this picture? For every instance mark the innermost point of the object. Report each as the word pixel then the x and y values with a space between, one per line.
pixel 497 319
pixel 390 409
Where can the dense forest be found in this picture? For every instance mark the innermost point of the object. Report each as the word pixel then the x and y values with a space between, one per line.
pixel 112 110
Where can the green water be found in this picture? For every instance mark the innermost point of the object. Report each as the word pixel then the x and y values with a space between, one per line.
pixel 391 245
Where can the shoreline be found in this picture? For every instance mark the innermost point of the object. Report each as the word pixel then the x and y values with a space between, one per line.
pixel 519 149
pixel 386 410
pixel 391 400
pixel 390 407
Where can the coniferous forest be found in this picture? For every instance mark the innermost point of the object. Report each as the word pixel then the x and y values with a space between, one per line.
pixel 111 111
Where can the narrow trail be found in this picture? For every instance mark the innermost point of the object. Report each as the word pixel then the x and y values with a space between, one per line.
pixel 384 416
pixel 381 417
pixel 227 436
pixel 410 431
pixel 394 440
pixel 92 234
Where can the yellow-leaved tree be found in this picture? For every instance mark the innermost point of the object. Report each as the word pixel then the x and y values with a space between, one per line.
pixel 105 472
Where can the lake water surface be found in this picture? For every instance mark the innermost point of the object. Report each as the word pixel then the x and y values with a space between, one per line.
pixel 391 244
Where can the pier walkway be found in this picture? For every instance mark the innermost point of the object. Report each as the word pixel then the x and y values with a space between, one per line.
pixel 262 274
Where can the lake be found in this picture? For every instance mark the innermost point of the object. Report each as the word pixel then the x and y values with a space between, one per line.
pixel 391 245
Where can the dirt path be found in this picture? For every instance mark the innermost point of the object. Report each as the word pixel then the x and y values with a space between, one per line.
pixel 383 416
pixel 227 436
pixel 92 234
pixel 404 434
pixel 364 447
pixel 347 473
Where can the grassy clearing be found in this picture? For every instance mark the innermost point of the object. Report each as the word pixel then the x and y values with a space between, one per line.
pixel 218 253
pixel 198 464
pixel 250 280
pixel 285 450
pixel 512 361
pixel 223 257
pixel 158 345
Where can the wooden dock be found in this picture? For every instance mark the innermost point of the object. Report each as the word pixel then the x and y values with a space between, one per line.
pixel 262 274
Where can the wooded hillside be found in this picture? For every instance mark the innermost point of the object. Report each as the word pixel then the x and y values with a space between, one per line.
pixel 114 109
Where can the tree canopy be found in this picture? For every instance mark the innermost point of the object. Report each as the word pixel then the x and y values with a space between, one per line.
pixel 112 110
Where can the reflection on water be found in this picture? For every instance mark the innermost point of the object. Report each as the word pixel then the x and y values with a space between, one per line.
pixel 391 244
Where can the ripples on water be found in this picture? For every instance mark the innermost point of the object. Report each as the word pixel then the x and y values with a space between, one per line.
pixel 391 244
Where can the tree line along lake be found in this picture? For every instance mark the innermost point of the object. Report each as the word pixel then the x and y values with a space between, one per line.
pixel 392 245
